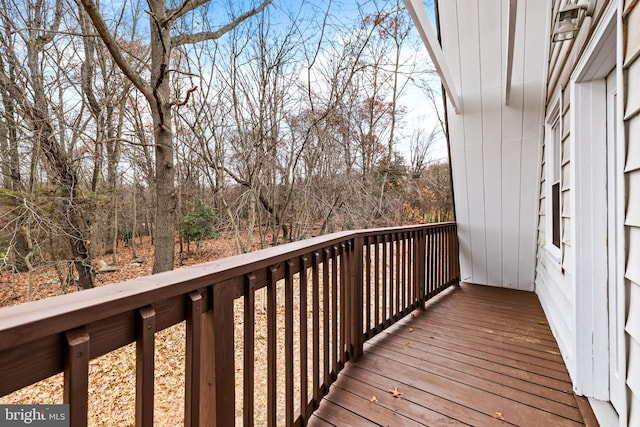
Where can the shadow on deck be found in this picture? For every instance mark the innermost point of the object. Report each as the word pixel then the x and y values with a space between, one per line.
pixel 476 356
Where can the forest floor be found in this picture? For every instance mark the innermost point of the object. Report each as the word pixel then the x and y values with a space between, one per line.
pixel 112 376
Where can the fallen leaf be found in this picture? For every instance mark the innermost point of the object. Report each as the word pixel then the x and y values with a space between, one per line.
pixel 373 399
pixel 407 344
pixel 395 392
pixel 411 329
pixel 542 323
pixel 414 314
pixel 498 416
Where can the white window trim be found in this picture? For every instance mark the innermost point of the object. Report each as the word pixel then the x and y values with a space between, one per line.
pixel 554 120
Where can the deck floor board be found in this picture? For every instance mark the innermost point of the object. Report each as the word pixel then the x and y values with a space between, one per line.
pixel 476 356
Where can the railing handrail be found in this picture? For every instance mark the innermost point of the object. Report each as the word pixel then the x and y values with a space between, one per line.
pixel 29 321
pixel 369 279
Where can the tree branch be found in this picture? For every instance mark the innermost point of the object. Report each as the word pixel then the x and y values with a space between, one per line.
pixel 114 48
pixel 186 7
pixel 183 39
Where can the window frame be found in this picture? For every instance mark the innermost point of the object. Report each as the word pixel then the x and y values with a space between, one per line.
pixel 553 179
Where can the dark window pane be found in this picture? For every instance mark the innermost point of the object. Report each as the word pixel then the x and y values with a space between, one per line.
pixel 555 201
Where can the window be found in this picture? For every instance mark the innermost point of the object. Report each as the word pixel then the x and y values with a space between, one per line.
pixel 554 160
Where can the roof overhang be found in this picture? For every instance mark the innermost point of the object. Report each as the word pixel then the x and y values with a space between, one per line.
pixel 421 19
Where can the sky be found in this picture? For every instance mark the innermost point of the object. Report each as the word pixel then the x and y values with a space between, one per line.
pixel 419 111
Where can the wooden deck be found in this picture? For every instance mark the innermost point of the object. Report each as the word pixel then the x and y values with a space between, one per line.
pixel 477 355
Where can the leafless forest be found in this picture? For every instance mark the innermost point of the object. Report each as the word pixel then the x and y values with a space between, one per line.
pixel 269 121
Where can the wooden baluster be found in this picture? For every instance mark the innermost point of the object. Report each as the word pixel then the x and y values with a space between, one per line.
pixel 376 283
pixel 326 255
pixel 193 368
pixel 304 398
pixel 385 312
pixel 392 311
pixel 344 304
pixel 422 266
pixel 288 341
pixel 145 344
pixel 249 350
pixel 223 354
pixel 405 273
pixel 315 273
pixel 357 296
pixel 272 282
pixel 367 260
pixel 398 275
pixel 76 375
pixel 428 261
pixel 334 313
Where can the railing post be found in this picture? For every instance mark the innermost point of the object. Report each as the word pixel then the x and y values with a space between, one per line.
pixel 76 375
pixel 456 260
pixel 357 301
pixel 145 345
pixel 221 321
pixel 196 383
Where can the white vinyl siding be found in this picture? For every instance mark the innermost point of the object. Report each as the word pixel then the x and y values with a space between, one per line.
pixel 631 29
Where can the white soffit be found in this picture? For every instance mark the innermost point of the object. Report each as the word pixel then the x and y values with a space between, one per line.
pixel 423 24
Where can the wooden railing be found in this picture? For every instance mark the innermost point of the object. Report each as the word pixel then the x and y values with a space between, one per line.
pixel 335 291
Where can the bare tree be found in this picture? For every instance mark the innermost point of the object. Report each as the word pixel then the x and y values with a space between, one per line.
pixel 37 107
pixel 156 90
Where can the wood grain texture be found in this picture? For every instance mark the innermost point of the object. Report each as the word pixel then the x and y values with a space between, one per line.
pixel 477 355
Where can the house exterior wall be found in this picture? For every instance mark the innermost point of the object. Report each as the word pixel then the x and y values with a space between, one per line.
pixel 553 282
pixel 495 147
pixel 558 278
pixel 631 106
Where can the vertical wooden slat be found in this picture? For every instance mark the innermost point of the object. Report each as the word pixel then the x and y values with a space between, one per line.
pixel 304 398
pixel 193 373
pixel 377 283
pixel 385 312
pixel 422 265
pixel 271 347
pixel 456 250
pixel 449 256
pixel 343 304
pixel 405 272
pixel 440 258
pixel 367 260
pixel 315 273
pixel 288 341
pixel 145 343
pixel 357 296
pixel 398 275
pixel 249 349
pixel 326 352
pixel 429 269
pixel 223 355
pixel 76 375
pixel 410 271
pixel 446 250
pixel 434 262
pixel 416 268
pixel 334 313
pixel 392 312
